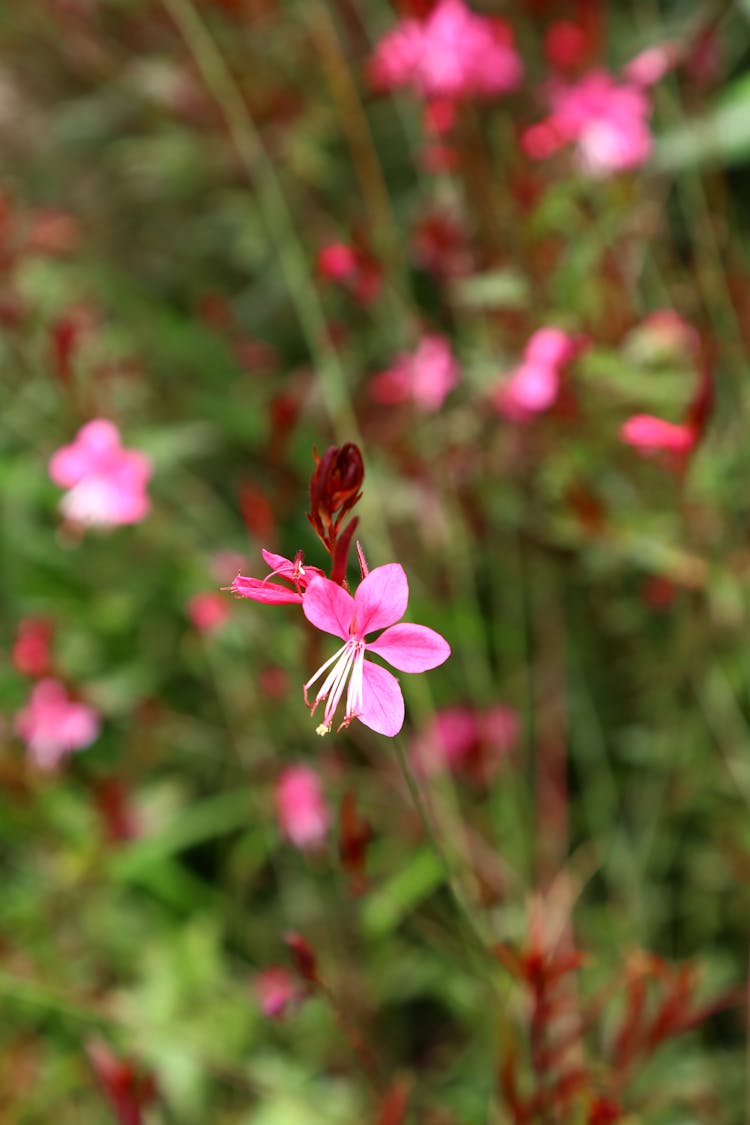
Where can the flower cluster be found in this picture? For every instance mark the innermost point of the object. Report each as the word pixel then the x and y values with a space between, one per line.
pixel 534 384
pixel 106 483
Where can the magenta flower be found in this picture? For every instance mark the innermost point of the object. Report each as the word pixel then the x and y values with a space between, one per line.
pixel 452 53
pixel 607 121
pixel 301 808
pixel 651 435
pixel 52 725
pixel 261 590
pixel 374 696
pixel 277 991
pixel 208 611
pixel 425 377
pixel 534 384
pixel 466 741
pixel 106 483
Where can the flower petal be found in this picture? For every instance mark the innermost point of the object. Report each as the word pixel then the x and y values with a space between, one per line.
pixel 411 648
pixel 381 598
pixel 328 607
pixel 382 701
pixel 269 592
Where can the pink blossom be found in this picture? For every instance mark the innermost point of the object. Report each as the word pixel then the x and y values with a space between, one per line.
pixel 452 53
pixel 208 611
pixel 261 590
pixel 606 120
pixel 301 808
pixel 277 990
pixel 52 725
pixel 534 384
pixel 650 435
pixel 106 483
pixel 337 262
pixel 566 45
pixel 650 66
pixel 425 377
pixel 467 741
pixel 374 696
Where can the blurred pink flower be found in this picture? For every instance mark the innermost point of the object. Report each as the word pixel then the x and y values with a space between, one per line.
pixel 566 45
pixel 467 741
pixel 650 65
pixel 277 990
pixel 664 336
pixel 534 384
pixel 606 120
pixel 31 648
pixel 353 267
pixel 374 696
pixel 424 377
pixel 650 435
pixel 261 590
pixel 337 262
pixel 208 611
pixel 452 53
pixel 106 483
pixel 301 808
pixel 52 725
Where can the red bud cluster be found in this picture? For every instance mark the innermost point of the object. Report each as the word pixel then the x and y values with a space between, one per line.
pixel 335 487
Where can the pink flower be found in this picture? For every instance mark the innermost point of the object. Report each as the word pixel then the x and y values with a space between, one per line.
pixel 425 377
pixel 650 66
pixel 208 611
pixel 271 592
pixel 467 741
pixel 452 53
pixel 374 696
pixel 277 990
pixel 650 435
pixel 106 483
pixel 607 121
pixel 337 262
pixel 52 725
pixel 534 384
pixel 301 808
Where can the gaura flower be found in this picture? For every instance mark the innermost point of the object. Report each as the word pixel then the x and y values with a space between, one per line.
pixel 374 696
pixel 106 483
pixel 649 434
pixel 426 376
pixel 261 590
pixel 52 725
pixel 300 807
pixel 534 384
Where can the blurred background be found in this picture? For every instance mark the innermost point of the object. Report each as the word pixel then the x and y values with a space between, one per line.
pixel 503 250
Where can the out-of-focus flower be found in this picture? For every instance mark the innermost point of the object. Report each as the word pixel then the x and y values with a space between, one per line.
pixel 129 1089
pixel 277 991
pixel 31 648
pixel 225 564
pixel 261 590
pixel 650 65
pixel 451 53
pixel 424 377
pixel 534 384
pixel 652 435
pixel 301 808
pixel 467 741
pixel 52 725
pixel 208 611
pixel 374 696
pixel 106 483
pixel 663 337
pixel 566 45
pixel 353 267
pixel 440 245
pixel 607 121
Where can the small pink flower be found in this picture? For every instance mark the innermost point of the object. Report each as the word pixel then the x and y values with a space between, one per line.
pixel 651 435
pixel 566 45
pixel 534 384
pixel 277 990
pixel 301 808
pixel 424 377
pixel 452 53
pixel 606 120
pixel 208 611
pixel 374 696
pixel 650 66
pixel 467 741
pixel 261 590
pixel 52 725
pixel 106 483
pixel 337 262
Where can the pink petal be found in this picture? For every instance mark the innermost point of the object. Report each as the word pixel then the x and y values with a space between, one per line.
pixel 278 563
pixel 644 431
pixel 381 598
pixel 269 592
pixel 99 437
pixel 382 701
pixel 411 648
pixel 328 607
